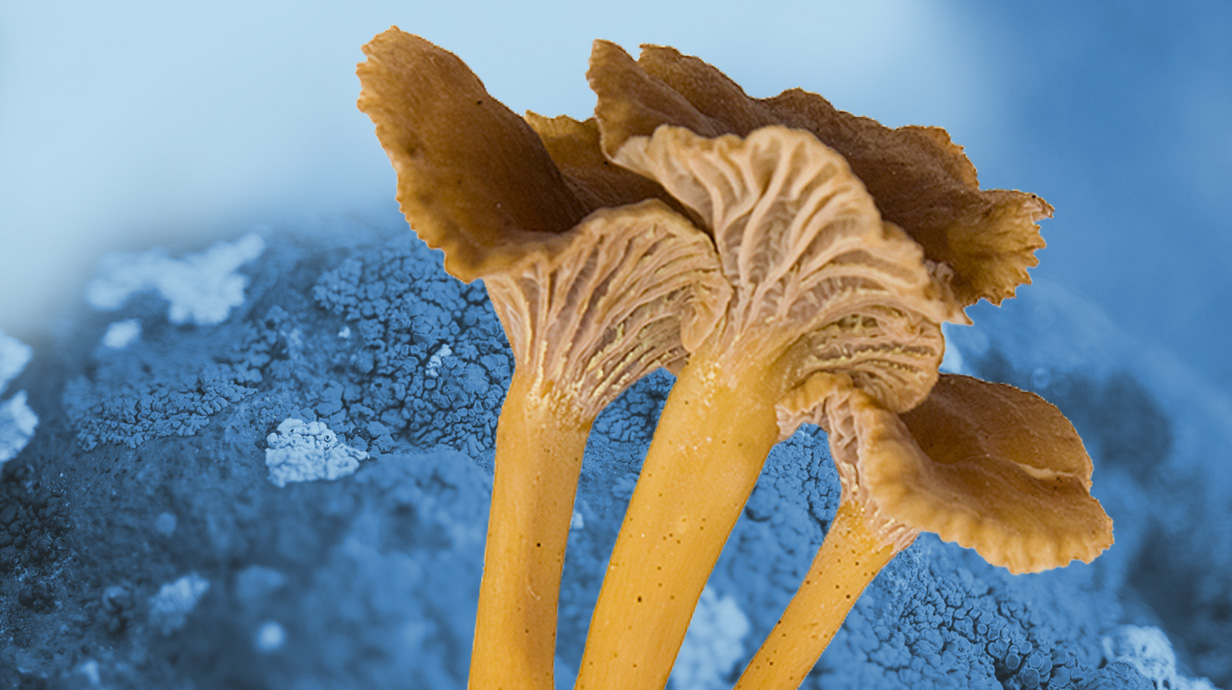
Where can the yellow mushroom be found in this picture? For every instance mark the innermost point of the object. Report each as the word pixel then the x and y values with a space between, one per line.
pixel 981 464
pixel 595 281
pixel 802 258
pixel 802 202
pixel 819 283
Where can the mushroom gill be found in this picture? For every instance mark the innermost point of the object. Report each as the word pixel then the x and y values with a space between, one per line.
pixel 981 241
pixel 818 284
pixel 595 282
pixel 985 465
pixel 590 313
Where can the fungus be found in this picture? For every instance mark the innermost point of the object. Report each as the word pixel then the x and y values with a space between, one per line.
pixel 786 259
pixel 828 295
pixel 980 242
pixel 819 284
pixel 981 464
pixel 596 282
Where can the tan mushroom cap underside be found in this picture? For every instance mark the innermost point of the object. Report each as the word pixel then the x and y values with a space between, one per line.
pixel 920 180
pixel 987 466
pixel 607 303
pixel 595 272
pixel 817 277
pixel 890 354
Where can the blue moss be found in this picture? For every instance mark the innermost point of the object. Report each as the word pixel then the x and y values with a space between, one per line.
pixel 164 386
pixel 634 414
pixel 370 336
pixel 941 617
pixel 777 537
pixel 387 600
pixel 376 388
pixel 405 309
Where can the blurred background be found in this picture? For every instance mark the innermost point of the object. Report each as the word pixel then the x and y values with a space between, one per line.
pixel 135 123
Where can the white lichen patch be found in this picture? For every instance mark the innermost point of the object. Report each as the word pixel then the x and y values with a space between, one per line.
pixel 17 424
pixel 307 451
pixel 165 524
pixel 88 671
pixel 169 608
pixel 199 288
pixel 121 334
pixel 713 645
pixel 437 359
pixel 1149 651
pixel 14 355
pixel 17 420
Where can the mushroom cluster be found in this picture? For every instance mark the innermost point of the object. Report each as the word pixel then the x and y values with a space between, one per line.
pixel 595 278
pixel 789 262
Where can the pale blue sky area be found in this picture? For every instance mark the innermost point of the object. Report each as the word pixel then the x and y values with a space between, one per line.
pixel 135 123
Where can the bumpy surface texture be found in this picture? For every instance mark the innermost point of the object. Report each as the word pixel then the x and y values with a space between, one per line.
pixel 148 471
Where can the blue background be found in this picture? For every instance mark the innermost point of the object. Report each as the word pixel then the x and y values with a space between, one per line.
pixel 133 123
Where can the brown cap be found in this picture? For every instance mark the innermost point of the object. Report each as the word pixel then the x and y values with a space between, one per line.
pixel 920 180
pixel 985 465
pixel 598 182
pixel 597 276
pixel 473 178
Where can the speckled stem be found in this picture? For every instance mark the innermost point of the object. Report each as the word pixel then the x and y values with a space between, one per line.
pixel 716 429
pixel 539 445
pixel 850 557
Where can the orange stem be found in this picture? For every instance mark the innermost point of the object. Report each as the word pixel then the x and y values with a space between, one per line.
pixel 539 448
pixel 716 429
pixel 849 558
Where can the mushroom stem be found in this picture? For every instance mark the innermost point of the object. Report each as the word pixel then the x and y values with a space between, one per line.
pixel 540 441
pixel 849 558
pixel 714 434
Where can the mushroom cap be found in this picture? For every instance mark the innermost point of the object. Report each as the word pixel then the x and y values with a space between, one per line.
pixel 598 182
pixel 920 180
pixel 607 303
pixel 981 464
pixel 596 278
pixel 473 178
pixel 817 278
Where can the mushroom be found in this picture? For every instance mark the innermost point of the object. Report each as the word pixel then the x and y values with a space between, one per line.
pixel 596 280
pixel 981 241
pixel 985 465
pixel 845 243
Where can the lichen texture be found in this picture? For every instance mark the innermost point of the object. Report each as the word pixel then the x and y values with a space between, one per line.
pixel 372 578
